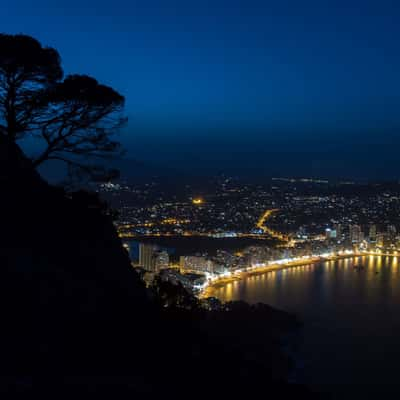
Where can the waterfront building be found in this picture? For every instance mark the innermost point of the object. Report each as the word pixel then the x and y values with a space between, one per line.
pixel 355 233
pixel 372 233
pixel 380 239
pixel 152 258
pixel 391 230
pixel 161 260
pixel 196 263
pixel 146 256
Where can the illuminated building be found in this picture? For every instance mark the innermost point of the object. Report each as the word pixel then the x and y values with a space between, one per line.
pixel 226 234
pixel 151 258
pixel 391 230
pixel 161 260
pixel 380 239
pixel 146 256
pixel 355 233
pixel 196 263
pixel 338 229
pixel 372 233
pixel 330 233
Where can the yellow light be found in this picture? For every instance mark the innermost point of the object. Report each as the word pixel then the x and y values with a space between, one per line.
pixel 197 200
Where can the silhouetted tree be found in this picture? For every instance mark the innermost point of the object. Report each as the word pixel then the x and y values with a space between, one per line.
pixel 26 69
pixel 80 117
pixel 75 117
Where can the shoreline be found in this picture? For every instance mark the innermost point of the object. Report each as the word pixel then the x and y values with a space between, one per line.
pixel 259 271
pixel 276 266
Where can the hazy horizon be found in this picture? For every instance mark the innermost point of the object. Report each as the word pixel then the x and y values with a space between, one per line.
pixel 308 88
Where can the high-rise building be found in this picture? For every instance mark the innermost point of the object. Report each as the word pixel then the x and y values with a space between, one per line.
pixel 391 230
pixel 152 258
pixel 355 233
pixel 380 239
pixel 147 256
pixel 372 233
pixel 328 233
pixel 338 229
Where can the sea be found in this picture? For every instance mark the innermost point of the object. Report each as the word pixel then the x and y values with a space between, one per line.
pixel 349 345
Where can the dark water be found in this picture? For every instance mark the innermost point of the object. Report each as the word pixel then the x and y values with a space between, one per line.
pixel 350 344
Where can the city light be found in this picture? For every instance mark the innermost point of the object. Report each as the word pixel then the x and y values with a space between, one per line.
pixel 283 263
pixel 308 227
pixel 197 201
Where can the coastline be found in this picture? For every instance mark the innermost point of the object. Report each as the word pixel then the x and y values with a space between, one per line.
pixel 243 275
pixel 280 265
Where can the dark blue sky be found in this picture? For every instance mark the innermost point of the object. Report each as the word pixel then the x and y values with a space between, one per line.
pixel 270 87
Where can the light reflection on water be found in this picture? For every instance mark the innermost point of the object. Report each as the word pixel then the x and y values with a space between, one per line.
pixel 352 317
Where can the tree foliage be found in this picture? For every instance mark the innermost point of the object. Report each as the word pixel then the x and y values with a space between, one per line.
pixel 26 69
pixel 75 117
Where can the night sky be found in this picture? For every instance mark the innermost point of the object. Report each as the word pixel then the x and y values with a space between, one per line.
pixel 247 87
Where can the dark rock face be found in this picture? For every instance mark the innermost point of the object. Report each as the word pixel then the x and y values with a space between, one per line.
pixel 75 315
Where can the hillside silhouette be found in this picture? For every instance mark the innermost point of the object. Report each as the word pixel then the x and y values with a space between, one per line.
pixel 77 317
